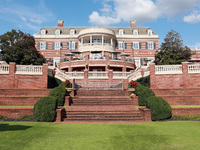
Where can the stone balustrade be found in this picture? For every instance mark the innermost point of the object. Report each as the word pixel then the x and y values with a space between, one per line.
pixel 28 70
pixel 4 69
pixel 168 69
pixel 194 68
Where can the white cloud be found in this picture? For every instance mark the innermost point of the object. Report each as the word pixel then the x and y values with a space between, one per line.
pixel 140 10
pixel 25 16
pixel 193 17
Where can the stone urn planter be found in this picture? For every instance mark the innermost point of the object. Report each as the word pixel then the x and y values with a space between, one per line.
pixel 131 91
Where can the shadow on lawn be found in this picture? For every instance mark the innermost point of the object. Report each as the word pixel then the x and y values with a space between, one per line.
pixel 7 127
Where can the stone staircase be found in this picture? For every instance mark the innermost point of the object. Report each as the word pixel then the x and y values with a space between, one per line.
pixel 100 105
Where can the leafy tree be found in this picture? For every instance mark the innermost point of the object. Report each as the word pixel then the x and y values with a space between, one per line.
pixel 19 47
pixel 172 51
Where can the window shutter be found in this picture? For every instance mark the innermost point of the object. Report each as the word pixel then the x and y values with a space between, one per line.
pixel 125 45
pixel 38 45
pixel 132 45
pixel 75 45
pixel 117 46
pixel 46 45
pixel 141 61
pixel 67 45
pixel 61 45
pixel 140 46
pixel 154 45
pixel 53 45
pixel 146 45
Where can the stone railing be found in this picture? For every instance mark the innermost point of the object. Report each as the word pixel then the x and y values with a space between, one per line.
pixel 77 75
pixel 135 75
pixel 120 75
pixel 4 69
pixel 168 69
pixel 29 70
pixel 97 75
pixel 195 68
pixel 60 75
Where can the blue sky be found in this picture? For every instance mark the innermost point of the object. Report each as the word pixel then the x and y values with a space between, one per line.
pixel 161 15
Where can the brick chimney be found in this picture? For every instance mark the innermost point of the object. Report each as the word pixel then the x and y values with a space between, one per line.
pixel 133 23
pixel 60 23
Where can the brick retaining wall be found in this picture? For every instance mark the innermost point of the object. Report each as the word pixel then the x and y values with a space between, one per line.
pixel 15 112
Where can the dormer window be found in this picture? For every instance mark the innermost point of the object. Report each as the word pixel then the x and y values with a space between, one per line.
pixel 57 32
pixel 150 32
pixel 121 32
pixel 135 32
pixel 72 32
pixel 43 32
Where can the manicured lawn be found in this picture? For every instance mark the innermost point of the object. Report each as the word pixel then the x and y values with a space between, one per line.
pixel 125 136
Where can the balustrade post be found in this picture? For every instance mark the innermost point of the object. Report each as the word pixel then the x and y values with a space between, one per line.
pixel 45 75
pixel 110 75
pixel 85 75
pixel 12 67
pixel 185 74
pixel 152 76
pixel 124 60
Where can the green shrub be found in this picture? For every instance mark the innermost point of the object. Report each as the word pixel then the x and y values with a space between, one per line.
pixel 45 109
pixel 187 117
pixel 143 93
pixel 53 82
pixel 59 92
pixel 3 118
pixel 145 81
pixel 160 109
pixel 26 117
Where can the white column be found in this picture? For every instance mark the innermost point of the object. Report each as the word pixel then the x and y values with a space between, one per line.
pixel 102 40
pixel 90 40
pixel 111 42
pixel 81 41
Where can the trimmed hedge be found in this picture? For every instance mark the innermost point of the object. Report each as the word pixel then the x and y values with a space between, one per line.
pixel 59 92
pixel 53 82
pixel 145 81
pixel 160 109
pixel 45 109
pixel 143 93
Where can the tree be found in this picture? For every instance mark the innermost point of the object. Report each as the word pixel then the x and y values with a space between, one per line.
pixel 19 47
pixel 172 51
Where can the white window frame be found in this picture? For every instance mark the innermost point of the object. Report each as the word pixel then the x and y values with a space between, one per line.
pixel 43 32
pixel 72 32
pixel 121 32
pixel 121 45
pixel 57 32
pixel 42 45
pixel 72 45
pixel 150 45
pixel 135 32
pixel 136 45
pixel 57 45
pixel 150 32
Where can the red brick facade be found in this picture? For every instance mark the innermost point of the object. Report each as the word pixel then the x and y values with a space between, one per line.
pixel 176 89
pixel 15 112
pixel 19 81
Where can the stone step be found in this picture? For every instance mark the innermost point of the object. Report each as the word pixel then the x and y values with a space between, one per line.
pixel 104 119
pixel 101 93
pixel 97 104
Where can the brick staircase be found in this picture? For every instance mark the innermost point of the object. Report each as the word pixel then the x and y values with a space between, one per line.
pixel 21 97
pixel 100 105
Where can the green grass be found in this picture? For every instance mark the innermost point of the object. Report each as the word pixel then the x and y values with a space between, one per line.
pixel 185 106
pixel 173 135
pixel 187 117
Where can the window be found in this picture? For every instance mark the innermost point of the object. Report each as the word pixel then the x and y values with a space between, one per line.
pixel 72 32
pixel 57 32
pixel 120 45
pixel 135 32
pixel 42 45
pixel 57 45
pixel 150 45
pixel 121 32
pixel 135 45
pixel 150 32
pixel 43 32
pixel 72 45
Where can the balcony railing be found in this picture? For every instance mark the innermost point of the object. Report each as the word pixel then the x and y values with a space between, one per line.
pixel 168 69
pixel 77 75
pixel 30 70
pixel 195 68
pixel 120 75
pixel 98 75
pixel 4 69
